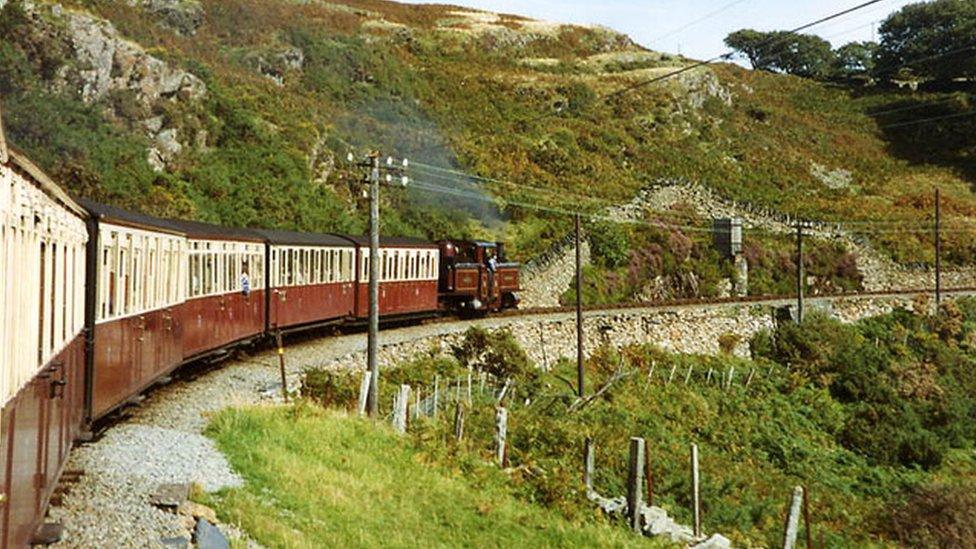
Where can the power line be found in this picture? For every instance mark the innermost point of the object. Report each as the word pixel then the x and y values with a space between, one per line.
pixel 926 120
pixel 696 21
pixel 865 227
pixel 915 107
pixel 729 54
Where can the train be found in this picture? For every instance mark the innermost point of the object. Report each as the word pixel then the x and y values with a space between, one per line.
pixel 99 304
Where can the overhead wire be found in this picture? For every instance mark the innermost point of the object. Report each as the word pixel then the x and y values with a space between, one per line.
pixel 859 227
pixel 701 19
pixel 728 55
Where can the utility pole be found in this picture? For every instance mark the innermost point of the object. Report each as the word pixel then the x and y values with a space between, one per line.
pixel 938 251
pixel 372 163
pixel 799 271
pixel 579 312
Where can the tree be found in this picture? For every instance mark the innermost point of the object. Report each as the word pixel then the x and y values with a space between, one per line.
pixel 780 51
pixel 933 40
pixel 855 59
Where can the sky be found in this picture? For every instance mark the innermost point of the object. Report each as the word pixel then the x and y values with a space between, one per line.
pixel 696 28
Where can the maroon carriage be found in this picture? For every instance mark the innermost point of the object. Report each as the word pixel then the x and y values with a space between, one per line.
pixel 312 279
pixel 224 286
pixel 138 269
pixel 408 277
pixel 42 281
pixel 476 276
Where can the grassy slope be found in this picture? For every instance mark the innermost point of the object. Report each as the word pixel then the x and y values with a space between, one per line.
pixel 441 96
pixel 864 415
pixel 322 479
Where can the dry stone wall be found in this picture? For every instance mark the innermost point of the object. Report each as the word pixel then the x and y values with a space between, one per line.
pixel 694 329
pixel 544 285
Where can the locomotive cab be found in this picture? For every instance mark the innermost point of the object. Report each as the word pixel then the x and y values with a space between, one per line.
pixel 476 276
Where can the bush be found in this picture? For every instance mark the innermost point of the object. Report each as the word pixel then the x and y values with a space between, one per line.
pixel 936 515
pixel 609 243
pixel 496 353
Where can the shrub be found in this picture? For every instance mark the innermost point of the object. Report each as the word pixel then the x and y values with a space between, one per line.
pixel 496 353
pixel 331 389
pixel 935 515
pixel 609 243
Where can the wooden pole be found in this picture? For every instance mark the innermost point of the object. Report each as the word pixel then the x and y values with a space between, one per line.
pixel 459 421
pixel 364 392
pixel 806 517
pixel 938 251
pixel 501 432
pixel 400 409
pixel 469 386
pixel 648 474
pixel 695 490
pixel 799 272
pixel 372 338
pixel 588 462
pixel 437 394
pixel 281 365
pixel 579 313
pixel 793 519
pixel 635 483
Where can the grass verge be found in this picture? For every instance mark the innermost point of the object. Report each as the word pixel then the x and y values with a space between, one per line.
pixel 317 478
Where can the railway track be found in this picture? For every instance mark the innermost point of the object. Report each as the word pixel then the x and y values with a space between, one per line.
pixel 104 501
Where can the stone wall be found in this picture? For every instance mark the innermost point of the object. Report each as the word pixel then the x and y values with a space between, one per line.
pixel 694 329
pixel 547 277
pixel 879 272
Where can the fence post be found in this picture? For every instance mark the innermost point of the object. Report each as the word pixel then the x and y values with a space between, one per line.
pixel 793 519
pixel 437 393
pixel 688 375
pixel 696 490
pixel 648 474
pixel 469 386
pixel 806 517
pixel 400 409
pixel 671 375
pixel 752 372
pixel 416 405
pixel 635 483
pixel 364 392
pixel 481 383
pixel 501 431
pixel 459 421
pixel 588 459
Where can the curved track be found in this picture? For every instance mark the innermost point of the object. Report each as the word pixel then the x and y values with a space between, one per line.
pixel 106 492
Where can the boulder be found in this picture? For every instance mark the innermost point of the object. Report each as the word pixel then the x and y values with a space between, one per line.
pixel 208 536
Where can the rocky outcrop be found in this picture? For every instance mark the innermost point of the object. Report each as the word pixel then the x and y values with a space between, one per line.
pixel 103 66
pixel 274 64
pixel 182 16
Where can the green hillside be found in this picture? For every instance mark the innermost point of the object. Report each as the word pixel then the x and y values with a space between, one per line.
pixel 291 87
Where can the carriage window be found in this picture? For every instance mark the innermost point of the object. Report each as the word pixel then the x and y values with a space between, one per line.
pixel 124 281
pixel 40 317
pixel 65 294
pixel 208 271
pixel 149 281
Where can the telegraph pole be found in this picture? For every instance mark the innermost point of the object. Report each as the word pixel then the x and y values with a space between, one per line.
pixel 938 251
pixel 579 312
pixel 372 341
pixel 372 163
pixel 799 271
